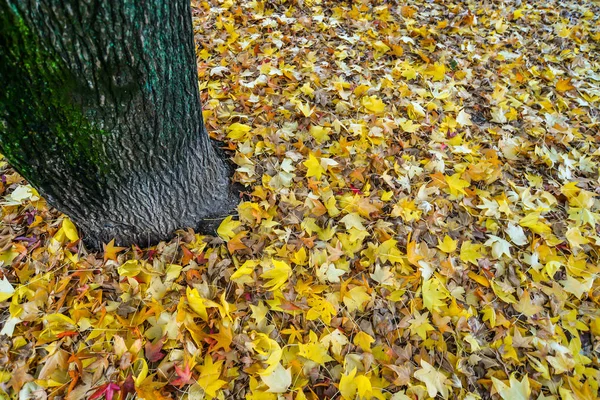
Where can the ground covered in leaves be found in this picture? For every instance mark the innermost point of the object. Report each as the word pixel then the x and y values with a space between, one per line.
pixel 422 220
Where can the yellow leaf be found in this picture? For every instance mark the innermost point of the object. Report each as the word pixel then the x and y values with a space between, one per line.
pixel 130 268
pixel 313 166
pixel 314 350
pixel 516 391
pixel 6 289
pixel 434 293
pixel 575 238
pixel 355 298
pixel 196 302
pixel 320 133
pixel 227 227
pixel 532 221
pixel 347 386
pixel 482 280
pixel 388 251
pixel 419 325
pixel 140 371
pixel 238 131
pixel 470 252
pixel 7 256
pixel 570 189
pixel 564 85
pixel 433 379
pixel 364 386
pixel 299 257
pixel 278 275
pixel 503 294
pixel 456 185
pixel 279 380
pixel 242 274
pixel 110 250
pixel 448 245
pixel 70 230
pixel 209 376
pixel 353 220
pixel 373 104
pixel 305 109
pixel 363 340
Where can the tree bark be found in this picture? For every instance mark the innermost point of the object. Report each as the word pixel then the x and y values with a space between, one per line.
pixel 101 112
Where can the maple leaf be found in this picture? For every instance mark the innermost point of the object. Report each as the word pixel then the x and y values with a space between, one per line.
pixel 153 352
pixel 347 385
pixel 279 380
pixel 314 350
pixel 456 185
pixel 448 245
pixel 373 104
pixel 363 340
pixel 313 166
pixel 433 379
pixel 209 376
pixel 355 298
pixel 419 325
pixel 184 376
pixel 278 274
pixel 433 294
pixel 564 85
pixel 227 227
pixel 516 391
pixel 470 252
pixel 110 250
pixel 107 390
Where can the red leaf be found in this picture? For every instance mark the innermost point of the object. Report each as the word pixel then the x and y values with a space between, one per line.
pixel 127 387
pixel 184 376
pixel 153 350
pixel 107 390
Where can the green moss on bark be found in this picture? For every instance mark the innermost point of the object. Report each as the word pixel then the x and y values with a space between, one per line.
pixel 41 106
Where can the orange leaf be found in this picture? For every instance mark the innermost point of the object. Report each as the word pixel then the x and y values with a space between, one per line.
pixel 564 85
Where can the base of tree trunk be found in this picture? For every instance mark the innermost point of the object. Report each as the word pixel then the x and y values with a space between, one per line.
pixel 197 193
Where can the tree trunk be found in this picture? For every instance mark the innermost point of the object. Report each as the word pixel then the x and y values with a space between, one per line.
pixel 101 112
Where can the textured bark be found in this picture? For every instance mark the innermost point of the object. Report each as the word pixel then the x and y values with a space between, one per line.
pixel 100 111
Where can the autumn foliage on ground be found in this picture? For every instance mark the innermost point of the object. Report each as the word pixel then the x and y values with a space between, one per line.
pixel 421 220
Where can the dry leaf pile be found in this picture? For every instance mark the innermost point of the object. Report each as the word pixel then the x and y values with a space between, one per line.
pixel 421 220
